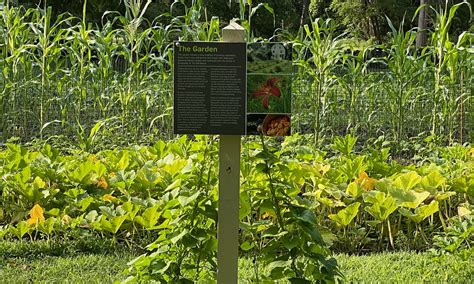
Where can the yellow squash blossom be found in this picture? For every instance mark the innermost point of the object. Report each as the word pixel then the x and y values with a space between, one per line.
pixel 365 181
pixel 36 215
pixel 108 197
pixel 102 183
pixel 92 158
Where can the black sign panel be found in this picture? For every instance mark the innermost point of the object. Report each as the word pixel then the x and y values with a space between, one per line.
pixel 210 88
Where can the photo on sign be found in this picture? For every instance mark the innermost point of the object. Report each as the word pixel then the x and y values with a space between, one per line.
pixel 269 124
pixel 269 58
pixel 268 94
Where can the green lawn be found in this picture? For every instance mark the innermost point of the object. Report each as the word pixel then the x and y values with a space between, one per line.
pixel 78 261
pixel 97 268
pixel 407 267
pixel 41 262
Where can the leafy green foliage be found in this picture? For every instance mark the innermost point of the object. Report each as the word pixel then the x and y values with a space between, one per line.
pixel 421 212
pixel 295 201
pixel 457 238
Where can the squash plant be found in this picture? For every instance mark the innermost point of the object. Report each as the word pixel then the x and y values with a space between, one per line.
pixel 296 201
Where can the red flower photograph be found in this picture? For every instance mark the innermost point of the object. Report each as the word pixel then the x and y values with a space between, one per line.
pixel 267 90
pixel 268 94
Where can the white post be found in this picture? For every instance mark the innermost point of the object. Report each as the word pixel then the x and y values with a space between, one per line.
pixel 229 188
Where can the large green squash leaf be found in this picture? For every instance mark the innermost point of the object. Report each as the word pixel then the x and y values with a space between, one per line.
pixel 354 190
pixel 345 216
pixel 382 205
pixel 407 181
pixel 421 213
pixel 408 198
pixel 433 181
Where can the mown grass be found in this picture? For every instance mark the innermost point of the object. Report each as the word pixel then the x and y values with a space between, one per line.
pixel 63 261
pixel 43 262
pixel 92 268
pixel 407 267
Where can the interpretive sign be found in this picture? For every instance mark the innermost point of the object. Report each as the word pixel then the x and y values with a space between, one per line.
pixel 209 88
pixel 233 88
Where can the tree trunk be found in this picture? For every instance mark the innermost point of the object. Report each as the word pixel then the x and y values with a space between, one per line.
pixel 303 13
pixel 422 23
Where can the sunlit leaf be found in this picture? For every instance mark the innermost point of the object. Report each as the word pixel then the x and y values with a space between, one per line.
pixel 354 190
pixel 407 181
pixel 421 213
pixel 345 216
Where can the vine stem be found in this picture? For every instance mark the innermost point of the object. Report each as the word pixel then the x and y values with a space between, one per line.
pixel 200 183
pixel 272 188
pixel 390 233
pixel 259 245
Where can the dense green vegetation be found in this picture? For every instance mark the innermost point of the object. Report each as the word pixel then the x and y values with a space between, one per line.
pixel 89 163
pixel 296 201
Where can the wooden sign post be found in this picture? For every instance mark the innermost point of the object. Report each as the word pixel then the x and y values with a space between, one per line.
pixel 229 190
pixel 210 98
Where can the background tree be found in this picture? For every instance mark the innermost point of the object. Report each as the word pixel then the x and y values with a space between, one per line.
pixel 422 24
pixel 363 19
